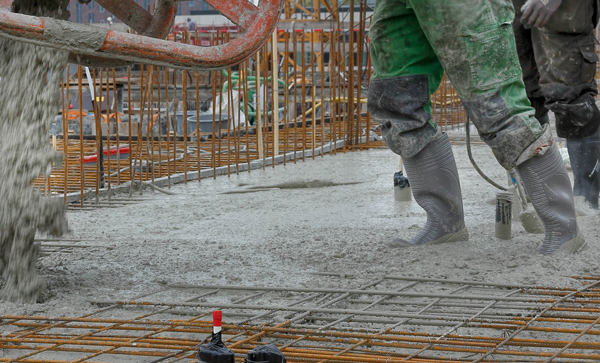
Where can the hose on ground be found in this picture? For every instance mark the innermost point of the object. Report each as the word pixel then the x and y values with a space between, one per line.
pixel 468 127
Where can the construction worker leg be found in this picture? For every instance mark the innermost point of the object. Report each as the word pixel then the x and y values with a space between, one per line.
pixel 407 72
pixel 567 64
pixel 531 74
pixel 565 51
pixel 474 41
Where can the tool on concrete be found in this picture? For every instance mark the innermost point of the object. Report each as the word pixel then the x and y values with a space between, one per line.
pixel 216 351
pixel 504 215
pixel 528 216
pixel 108 48
pixel 402 190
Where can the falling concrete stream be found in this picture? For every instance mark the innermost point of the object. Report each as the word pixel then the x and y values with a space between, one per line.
pixel 29 100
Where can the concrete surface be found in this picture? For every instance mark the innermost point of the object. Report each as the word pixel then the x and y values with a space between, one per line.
pixel 221 232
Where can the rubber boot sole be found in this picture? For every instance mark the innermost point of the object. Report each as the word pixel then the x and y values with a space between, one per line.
pixel 460 236
pixel 575 245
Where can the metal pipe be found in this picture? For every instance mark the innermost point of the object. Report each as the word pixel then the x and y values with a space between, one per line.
pixel 256 25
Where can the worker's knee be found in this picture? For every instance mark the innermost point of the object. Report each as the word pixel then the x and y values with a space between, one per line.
pixel 577 119
pixel 510 134
pixel 401 105
pixel 566 59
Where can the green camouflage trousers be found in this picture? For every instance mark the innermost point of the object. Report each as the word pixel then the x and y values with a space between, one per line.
pixel 414 41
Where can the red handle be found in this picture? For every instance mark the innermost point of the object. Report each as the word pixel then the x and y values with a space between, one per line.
pixel 217 317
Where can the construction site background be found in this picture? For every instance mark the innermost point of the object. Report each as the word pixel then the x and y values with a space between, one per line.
pixel 161 125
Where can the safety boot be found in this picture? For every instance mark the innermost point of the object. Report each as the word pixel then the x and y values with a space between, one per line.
pixel 547 183
pixel 584 154
pixel 436 188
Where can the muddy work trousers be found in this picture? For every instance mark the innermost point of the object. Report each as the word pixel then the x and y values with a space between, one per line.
pixel 559 66
pixel 414 41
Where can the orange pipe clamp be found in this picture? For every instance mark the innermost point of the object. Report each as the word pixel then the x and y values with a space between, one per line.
pixel 101 47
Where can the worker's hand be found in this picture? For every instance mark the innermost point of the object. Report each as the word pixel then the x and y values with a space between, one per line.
pixel 538 12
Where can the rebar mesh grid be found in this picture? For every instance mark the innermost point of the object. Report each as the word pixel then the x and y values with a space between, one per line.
pixel 390 319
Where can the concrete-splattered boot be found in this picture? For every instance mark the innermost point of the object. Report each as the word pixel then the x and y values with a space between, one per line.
pixel 435 185
pixel 584 154
pixel 547 183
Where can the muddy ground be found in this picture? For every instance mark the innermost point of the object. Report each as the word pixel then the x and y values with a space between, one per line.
pixel 205 234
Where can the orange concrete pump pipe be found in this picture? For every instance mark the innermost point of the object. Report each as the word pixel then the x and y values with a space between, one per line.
pixel 96 46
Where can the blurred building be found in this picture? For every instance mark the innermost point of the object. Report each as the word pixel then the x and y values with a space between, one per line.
pixel 96 14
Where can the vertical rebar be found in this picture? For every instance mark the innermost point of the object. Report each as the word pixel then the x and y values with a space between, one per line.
pixel 97 101
pixel 117 121
pixel 259 135
pixel 359 73
pixel 230 118
pixel 175 121
pixel 198 120
pixel 66 133
pixel 335 86
pixel 231 125
pixel 313 128
pixel 218 126
pixel 322 75
pixel 295 119
pixel 303 98
pixel 369 72
pixel 286 110
pixel 185 74
pixel 275 78
pixel 130 118
pixel 351 126
pixel 168 128
pixel 65 126
pixel 143 97
pixel 246 95
pixel 214 110
pixel 157 118
pixel 150 126
pixel 107 160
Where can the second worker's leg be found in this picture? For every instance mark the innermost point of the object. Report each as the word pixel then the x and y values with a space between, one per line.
pixel 584 154
pixel 568 68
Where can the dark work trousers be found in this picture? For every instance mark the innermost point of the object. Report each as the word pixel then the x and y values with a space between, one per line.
pixel 559 66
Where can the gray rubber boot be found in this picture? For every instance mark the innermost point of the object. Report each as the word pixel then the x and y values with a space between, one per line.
pixel 435 185
pixel 547 183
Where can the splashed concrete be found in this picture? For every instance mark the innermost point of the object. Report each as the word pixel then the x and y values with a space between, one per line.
pixel 29 100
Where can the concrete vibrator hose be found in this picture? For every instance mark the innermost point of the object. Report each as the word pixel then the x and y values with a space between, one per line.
pixel 481 173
